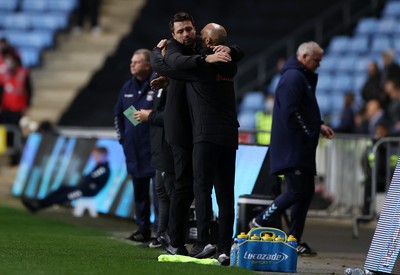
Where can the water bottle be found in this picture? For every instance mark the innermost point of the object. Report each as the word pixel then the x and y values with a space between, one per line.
pixel 292 241
pixel 234 253
pixel 241 237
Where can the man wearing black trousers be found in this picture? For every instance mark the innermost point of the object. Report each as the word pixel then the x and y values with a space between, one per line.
pixel 89 186
pixel 211 100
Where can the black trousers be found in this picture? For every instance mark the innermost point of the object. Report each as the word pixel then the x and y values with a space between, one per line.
pixel 182 195
pixel 61 195
pixel 164 186
pixel 141 187
pixel 214 166
pixel 298 196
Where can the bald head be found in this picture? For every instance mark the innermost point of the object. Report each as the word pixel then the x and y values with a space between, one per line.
pixel 213 34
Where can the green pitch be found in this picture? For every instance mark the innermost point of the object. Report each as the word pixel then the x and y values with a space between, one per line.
pixel 30 244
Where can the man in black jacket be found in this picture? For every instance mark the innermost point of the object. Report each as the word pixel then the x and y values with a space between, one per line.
pixel 89 186
pixel 211 99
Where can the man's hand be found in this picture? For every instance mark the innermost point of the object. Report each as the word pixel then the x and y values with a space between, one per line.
pixel 159 82
pixel 162 43
pixel 218 57
pixel 327 131
pixel 221 48
pixel 142 115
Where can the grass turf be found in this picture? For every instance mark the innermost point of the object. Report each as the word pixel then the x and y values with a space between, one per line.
pixel 30 244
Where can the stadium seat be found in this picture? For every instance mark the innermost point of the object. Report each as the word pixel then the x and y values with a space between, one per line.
pixel 387 25
pixel 361 65
pixel 16 21
pixel 342 83
pixel 36 5
pixel 247 120
pixel 347 63
pixel 54 21
pixel 65 6
pixel 366 26
pixel 31 57
pixel 396 44
pixel 8 5
pixel 252 101
pixel 336 102
pixel 324 82
pixel 380 43
pixel 359 44
pixel 328 63
pixel 339 44
pixel 35 38
pixel 323 102
pixel 358 82
pixel 392 9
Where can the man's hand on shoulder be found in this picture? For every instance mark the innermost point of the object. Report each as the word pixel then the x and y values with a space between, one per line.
pixel 218 57
pixel 221 48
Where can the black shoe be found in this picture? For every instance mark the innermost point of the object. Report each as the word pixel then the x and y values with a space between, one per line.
pixel 139 237
pixel 31 204
pixel 164 240
pixel 155 243
pixel 304 250
pixel 223 258
pixel 202 251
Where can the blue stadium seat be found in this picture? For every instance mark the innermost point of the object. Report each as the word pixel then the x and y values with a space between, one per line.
pixel 30 56
pixel 328 63
pixel 16 21
pixel 34 5
pixel 54 21
pixel 366 26
pixel 65 6
pixel 387 25
pixel 359 44
pixel 8 5
pixel 380 43
pixel 324 82
pixel 358 82
pixel 391 9
pixel 346 63
pixel 247 120
pixel 252 101
pixel 396 44
pixel 323 102
pixel 342 83
pixel 37 38
pixel 339 44
pixel 361 65
pixel 336 102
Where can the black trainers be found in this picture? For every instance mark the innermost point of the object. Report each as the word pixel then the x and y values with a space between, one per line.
pixel 164 240
pixel 31 204
pixel 155 243
pixel 223 258
pixel 304 250
pixel 139 237
pixel 201 251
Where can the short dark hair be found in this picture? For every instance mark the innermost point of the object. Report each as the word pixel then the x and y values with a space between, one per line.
pixel 180 17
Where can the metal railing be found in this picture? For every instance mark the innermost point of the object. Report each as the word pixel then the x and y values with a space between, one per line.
pixel 392 146
pixel 254 72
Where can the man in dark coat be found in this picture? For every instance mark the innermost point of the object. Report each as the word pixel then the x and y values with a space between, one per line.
pixel 296 126
pixel 135 140
pixel 211 100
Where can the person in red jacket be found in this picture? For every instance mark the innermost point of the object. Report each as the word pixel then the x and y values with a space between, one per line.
pixel 15 88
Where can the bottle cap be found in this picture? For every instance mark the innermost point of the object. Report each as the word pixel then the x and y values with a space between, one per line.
pixel 242 235
pixel 279 239
pixel 291 238
pixel 254 237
